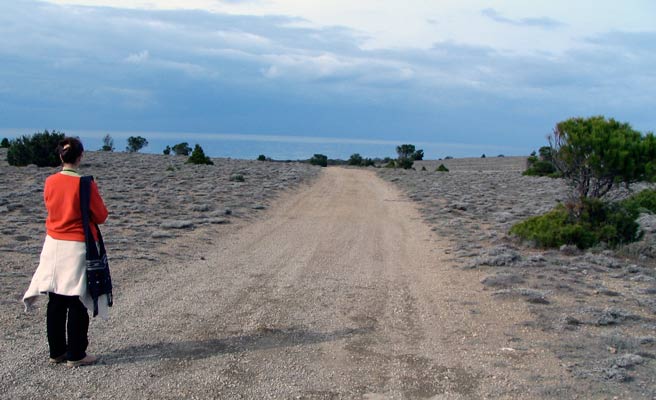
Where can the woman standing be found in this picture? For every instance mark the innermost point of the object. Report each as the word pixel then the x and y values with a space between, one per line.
pixel 62 267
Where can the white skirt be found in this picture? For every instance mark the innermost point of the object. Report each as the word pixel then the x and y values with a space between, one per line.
pixel 62 270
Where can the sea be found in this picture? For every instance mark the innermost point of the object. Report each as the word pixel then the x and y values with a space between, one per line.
pixel 279 147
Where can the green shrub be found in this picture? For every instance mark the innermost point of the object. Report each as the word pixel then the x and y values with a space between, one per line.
pixel 644 201
pixel 38 149
pixel 390 164
pixel 319 159
pixel 237 178
pixel 540 168
pixel 611 223
pixel 261 157
pixel 542 165
pixel 167 150
pixel 198 157
pixel 4 144
pixel 442 168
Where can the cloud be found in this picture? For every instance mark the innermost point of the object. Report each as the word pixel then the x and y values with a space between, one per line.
pixel 542 22
pixel 125 69
pixel 138 58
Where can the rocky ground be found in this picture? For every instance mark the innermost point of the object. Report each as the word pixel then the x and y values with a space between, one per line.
pixel 598 304
pixel 292 316
pixel 152 199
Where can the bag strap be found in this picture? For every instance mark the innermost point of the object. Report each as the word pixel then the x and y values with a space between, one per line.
pixel 93 252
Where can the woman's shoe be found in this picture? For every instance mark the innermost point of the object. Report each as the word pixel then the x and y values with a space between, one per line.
pixel 57 360
pixel 87 360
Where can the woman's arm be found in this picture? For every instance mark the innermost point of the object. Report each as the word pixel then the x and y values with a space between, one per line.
pixel 97 205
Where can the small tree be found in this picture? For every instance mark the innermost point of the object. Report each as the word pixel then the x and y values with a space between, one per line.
pixel 108 143
pixel 167 150
pixel 418 155
pixel 136 143
pixel 261 157
pixel 355 159
pixel 198 157
pixel 4 144
pixel 38 149
pixel 595 155
pixel 319 159
pixel 181 149
pixel 406 153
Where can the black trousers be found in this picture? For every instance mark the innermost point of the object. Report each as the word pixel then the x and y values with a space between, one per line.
pixel 59 308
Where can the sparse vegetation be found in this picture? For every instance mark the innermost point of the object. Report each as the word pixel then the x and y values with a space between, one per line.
pixel 198 157
pixel 38 149
pixel 236 178
pixel 442 168
pixel 108 143
pixel 136 143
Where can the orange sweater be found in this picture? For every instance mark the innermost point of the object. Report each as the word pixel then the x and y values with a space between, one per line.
pixel 62 198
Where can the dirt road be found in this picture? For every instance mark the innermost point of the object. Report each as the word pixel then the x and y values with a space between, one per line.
pixel 340 291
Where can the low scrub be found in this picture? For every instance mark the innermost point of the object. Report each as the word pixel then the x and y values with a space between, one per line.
pixel 597 222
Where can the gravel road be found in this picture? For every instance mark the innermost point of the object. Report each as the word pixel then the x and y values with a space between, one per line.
pixel 340 290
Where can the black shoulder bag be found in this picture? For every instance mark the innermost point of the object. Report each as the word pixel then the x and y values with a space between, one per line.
pixel 99 281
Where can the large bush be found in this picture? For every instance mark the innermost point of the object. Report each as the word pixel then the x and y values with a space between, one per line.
pixel 198 157
pixel 38 149
pixel 597 154
pixel 611 223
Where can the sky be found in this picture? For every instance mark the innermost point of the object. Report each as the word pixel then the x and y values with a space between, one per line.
pixel 459 77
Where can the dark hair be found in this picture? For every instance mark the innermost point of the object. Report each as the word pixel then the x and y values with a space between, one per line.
pixel 70 149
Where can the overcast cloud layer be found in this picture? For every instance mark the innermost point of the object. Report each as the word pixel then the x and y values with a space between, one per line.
pixel 245 68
